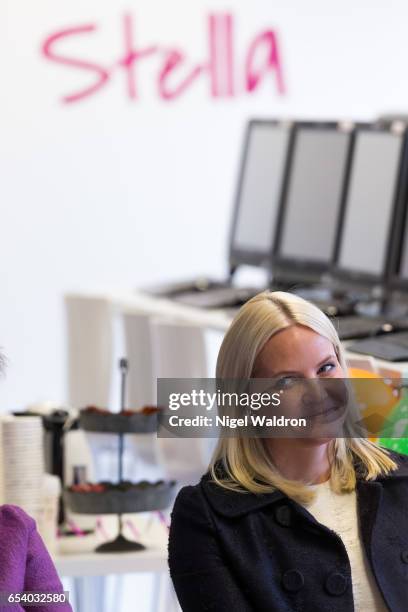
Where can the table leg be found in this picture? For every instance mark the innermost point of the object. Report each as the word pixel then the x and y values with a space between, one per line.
pixel 89 593
pixel 164 597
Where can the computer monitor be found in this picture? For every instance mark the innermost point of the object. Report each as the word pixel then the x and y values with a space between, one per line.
pixel 259 194
pixel 373 204
pixel 313 200
pixel 403 271
pixel 399 273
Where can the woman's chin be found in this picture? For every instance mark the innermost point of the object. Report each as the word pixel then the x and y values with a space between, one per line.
pixel 316 441
pixel 329 431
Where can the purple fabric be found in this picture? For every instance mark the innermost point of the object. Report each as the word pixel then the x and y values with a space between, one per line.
pixel 25 564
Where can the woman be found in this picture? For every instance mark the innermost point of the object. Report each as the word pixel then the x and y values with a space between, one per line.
pixel 291 524
pixel 25 565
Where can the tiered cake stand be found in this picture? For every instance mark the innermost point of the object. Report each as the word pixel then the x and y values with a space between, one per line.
pixel 142 497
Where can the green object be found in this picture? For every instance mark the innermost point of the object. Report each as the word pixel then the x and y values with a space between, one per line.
pixel 394 434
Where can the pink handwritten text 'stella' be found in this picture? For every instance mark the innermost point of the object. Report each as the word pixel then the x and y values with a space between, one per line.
pixel 176 73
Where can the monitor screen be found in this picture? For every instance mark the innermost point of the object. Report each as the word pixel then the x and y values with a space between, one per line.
pixel 261 185
pixel 314 194
pixel 370 202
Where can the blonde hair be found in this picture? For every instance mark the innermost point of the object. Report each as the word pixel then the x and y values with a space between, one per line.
pixel 246 462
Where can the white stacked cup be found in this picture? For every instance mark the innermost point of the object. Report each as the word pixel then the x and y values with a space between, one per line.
pixel 23 462
pixel 48 518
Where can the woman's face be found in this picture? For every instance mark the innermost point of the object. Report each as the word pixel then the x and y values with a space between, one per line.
pixel 295 357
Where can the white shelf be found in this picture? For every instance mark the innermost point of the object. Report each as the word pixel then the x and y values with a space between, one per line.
pixel 137 301
pixel 153 559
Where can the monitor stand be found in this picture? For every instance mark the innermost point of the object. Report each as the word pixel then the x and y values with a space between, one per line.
pixel 204 285
pixel 394 304
pixel 298 285
pixel 333 296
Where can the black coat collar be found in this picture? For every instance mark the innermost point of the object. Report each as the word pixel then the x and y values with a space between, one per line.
pixel 234 504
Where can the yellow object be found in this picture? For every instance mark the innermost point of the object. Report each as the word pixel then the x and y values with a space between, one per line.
pixel 375 398
pixel 360 373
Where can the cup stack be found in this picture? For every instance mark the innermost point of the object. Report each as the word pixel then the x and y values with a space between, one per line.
pixel 23 462
pixel 47 522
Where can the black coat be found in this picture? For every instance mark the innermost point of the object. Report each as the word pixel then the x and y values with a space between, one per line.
pixel 241 552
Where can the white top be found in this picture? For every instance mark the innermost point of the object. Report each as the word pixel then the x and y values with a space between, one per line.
pixel 338 511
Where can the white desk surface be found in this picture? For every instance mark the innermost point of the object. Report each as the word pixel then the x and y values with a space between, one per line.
pixel 153 559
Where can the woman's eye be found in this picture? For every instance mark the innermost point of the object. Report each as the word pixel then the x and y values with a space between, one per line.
pixel 327 367
pixel 286 382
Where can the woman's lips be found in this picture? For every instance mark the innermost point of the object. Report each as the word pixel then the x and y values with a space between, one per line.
pixel 333 410
pixel 325 411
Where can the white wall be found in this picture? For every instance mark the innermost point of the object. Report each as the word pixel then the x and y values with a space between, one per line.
pixel 114 192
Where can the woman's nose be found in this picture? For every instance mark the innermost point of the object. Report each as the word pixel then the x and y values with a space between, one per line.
pixel 314 391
